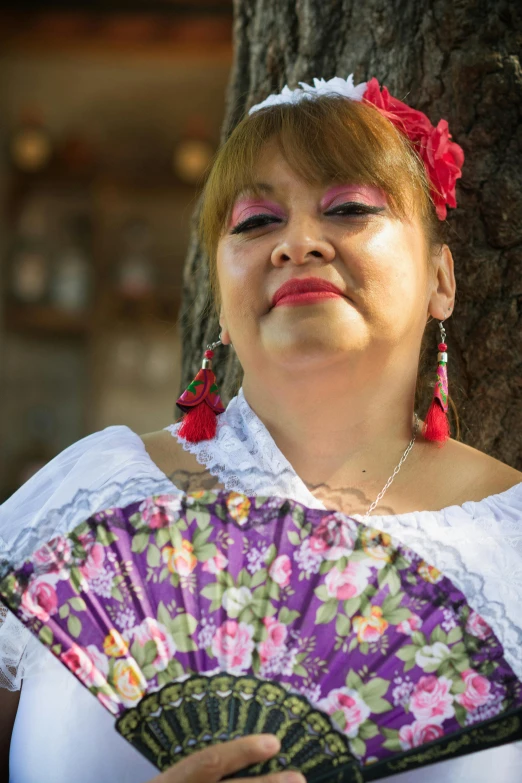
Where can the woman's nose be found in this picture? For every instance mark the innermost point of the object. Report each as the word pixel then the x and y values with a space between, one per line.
pixel 302 244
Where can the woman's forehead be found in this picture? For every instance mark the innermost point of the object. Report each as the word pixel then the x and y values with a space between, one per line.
pixel 325 190
pixel 272 172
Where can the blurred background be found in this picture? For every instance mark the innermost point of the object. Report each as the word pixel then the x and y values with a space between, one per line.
pixel 109 115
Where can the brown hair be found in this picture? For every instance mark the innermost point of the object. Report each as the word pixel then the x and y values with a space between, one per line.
pixel 324 140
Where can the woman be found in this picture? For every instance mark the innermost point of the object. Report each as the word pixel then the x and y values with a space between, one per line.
pixel 323 225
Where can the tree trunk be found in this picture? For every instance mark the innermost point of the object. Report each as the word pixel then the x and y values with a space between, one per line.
pixel 455 59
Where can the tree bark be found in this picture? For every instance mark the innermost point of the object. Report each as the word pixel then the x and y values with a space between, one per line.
pixel 455 59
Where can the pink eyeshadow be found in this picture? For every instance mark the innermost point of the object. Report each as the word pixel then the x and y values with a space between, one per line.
pixel 365 194
pixel 246 207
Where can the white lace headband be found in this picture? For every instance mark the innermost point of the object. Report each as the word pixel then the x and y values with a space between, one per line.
pixel 442 157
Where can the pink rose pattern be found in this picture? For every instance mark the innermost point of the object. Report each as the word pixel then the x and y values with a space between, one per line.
pixel 413 623
pixel 277 633
pixel 87 664
pixel 233 645
pixel 477 693
pixel 431 700
pixel 352 707
pixel 52 558
pixel 93 563
pixel 321 607
pixel 215 564
pixel 335 537
pixel 348 583
pixel 419 733
pixel 281 570
pixel 478 627
pixel 151 630
pixel 157 514
pixel 40 600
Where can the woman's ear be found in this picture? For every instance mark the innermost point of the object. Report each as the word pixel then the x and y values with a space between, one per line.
pixel 442 299
pixel 224 334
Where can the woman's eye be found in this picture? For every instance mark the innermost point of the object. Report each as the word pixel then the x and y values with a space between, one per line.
pixel 256 221
pixel 354 208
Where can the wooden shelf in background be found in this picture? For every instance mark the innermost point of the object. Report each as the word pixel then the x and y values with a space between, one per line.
pixel 189 32
pixel 46 320
pixel 154 307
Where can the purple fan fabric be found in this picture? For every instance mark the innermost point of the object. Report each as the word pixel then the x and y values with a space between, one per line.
pixel 170 586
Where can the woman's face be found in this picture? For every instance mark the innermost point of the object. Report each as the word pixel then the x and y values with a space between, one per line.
pixel 343 234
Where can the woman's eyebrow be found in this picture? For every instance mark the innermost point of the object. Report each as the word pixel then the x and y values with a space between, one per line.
pixel 264 186
pixel 256 187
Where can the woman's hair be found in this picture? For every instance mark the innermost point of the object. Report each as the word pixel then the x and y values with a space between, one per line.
pixel 324 140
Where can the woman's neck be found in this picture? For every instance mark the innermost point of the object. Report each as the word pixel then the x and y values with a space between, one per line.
pixel 333 431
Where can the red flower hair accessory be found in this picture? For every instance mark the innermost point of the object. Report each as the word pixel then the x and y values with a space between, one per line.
pixel 442 157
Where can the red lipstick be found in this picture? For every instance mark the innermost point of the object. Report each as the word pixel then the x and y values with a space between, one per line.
pixel 305 291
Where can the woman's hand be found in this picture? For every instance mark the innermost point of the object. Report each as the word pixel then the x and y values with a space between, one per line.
pixel 215 763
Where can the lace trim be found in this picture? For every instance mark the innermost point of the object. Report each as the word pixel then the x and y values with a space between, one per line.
pixel 84 503
pixel 245 458
pixel 21 654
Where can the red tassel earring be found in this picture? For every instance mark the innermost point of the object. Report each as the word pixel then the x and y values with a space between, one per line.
pixel 436 424
pixel 201 402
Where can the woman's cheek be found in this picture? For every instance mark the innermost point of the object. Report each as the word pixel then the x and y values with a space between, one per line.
pixel 393 253
pixel 241 284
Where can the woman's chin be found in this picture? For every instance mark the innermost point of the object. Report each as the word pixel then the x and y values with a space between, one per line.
pixel 307 352
pixel 313 338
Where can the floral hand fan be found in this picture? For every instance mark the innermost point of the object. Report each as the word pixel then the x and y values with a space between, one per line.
pixel 199 618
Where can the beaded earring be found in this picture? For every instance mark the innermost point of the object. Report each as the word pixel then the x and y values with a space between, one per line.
pixel 201 402
pixel 436 424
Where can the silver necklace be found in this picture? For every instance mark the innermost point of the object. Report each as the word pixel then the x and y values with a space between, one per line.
pixel 398 467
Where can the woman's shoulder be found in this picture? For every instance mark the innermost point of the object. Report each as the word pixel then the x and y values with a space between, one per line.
pixel 489 475
pixel 165 450
pixel 180 466
pixel 461 474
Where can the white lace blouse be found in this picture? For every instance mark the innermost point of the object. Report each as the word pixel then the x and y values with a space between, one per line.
pixel 62 734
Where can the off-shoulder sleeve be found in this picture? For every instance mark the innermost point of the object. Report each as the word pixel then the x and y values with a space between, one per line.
pixel 108 468
pixel 506 507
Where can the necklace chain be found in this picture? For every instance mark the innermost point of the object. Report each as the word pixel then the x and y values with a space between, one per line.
pixel 396 470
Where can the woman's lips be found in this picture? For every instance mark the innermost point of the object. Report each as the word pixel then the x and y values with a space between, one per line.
pixel 306 297
pixel 305 291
